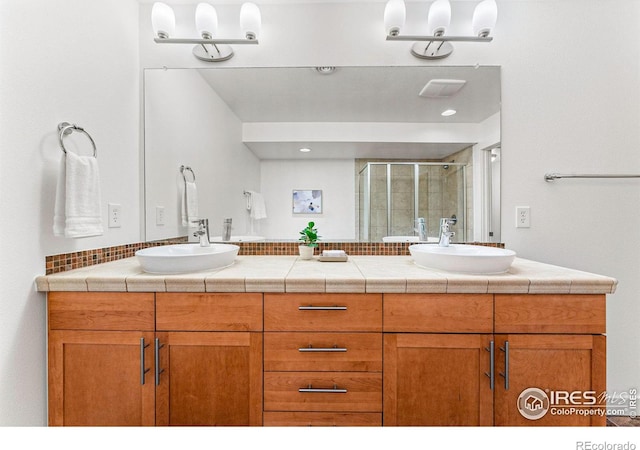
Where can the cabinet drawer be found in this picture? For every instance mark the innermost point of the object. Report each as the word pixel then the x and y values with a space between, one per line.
pixel 550 314
pixel 438 313
pixel 323 391
pixel 323 312
pixel 208 312
pixel 322 419
pixel 113 311
pixel 322 351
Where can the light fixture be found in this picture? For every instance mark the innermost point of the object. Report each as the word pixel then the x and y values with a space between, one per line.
pixel 395 14
pixel 208 46
pixel 437 44
pixel 448 112
pixel 305 150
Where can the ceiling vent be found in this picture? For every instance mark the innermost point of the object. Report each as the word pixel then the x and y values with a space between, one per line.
pixel 441 88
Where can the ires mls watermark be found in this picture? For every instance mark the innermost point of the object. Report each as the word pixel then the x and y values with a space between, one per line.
pixel 535 403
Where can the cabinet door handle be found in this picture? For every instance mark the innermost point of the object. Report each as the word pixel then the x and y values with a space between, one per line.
pixel 505 374
pixel 143 369
pixel 158 346
pixel 311 349
pixel 334 390
pixel 322 308
pixel 491 374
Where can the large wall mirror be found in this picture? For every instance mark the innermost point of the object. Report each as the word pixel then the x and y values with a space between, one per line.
pixel 376 149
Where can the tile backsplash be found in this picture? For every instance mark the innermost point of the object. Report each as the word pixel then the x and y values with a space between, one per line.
pixel 85 258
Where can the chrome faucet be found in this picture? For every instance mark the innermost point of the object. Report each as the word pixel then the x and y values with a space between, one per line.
pixel 203 232
pixel 226 230
pixel 422 229
pixel 445 231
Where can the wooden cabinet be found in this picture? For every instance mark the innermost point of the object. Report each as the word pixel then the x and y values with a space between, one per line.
pixel 100 359
pixel 441 376
pixel 110 364
pixel 323 359
pixel 317 359
pixel 210 374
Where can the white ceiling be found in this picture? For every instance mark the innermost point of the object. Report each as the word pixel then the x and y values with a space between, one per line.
pixel 355 94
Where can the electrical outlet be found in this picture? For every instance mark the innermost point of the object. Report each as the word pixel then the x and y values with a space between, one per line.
pixel 523 217
pixel 159 215
pixel 115 215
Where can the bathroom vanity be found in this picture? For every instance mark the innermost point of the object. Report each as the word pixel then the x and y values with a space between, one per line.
pixel 275 340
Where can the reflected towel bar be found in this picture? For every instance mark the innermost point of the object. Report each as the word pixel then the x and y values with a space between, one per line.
pixel 555 176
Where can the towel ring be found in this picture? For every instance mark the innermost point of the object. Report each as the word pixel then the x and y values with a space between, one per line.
pixel 183 169
pixel 66 128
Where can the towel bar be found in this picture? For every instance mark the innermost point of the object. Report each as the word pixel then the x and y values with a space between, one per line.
pixel 66 128
pixel 555 176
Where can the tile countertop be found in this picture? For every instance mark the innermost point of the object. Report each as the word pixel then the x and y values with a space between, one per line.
pixel 380 274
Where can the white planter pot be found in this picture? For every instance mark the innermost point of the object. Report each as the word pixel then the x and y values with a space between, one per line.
pixel 306 252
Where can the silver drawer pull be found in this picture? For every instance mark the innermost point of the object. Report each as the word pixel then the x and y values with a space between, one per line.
pixel 312 349
pixel 335 390
pixel 322 308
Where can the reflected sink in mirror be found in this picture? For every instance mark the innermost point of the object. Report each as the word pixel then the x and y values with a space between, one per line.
pixel 407 239
pixel 184 258
pixel 471 259
pixel 239 239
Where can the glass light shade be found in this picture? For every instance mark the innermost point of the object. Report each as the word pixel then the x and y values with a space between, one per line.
pixel 163 20
pixel 395 14
pixel 206 20
pixel 250 20
pixel 484 18
pixel 439 17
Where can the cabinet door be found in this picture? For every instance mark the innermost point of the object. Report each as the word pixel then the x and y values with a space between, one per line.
pixel 209 378
pixel 100 378
pixel 437 379
pixel 553 379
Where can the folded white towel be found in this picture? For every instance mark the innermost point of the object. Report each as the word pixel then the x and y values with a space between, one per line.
pixel 189 203
pixel 258 208
pixel 77 211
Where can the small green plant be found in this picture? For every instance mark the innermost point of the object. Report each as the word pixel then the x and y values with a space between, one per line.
pixel 309 235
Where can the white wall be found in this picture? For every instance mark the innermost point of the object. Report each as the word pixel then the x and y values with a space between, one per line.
pixel 75 61
pixel 187 123
pixel 336 180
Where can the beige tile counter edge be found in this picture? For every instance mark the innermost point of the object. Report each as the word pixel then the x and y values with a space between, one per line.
pixel 379 274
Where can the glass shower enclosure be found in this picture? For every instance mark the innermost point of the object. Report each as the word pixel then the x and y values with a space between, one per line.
pixel 393 195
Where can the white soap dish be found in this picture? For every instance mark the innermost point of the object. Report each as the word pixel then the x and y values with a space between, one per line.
pixel 333 256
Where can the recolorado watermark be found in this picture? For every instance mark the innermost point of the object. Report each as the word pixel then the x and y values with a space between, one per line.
pixel 589 445
pixel 535 403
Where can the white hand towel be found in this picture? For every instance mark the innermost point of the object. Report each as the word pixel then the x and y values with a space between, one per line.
pixel 78 198
pixel 189 203
pixel 258 208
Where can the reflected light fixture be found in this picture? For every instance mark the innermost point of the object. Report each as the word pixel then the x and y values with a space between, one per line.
pixel 305 150
pixel 448 112
pixel 437 44
pixel 209 47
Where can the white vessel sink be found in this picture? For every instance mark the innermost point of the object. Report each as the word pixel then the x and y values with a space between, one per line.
pixel 239 239
pixel 407 239
pixel 183 258
pixel 473 259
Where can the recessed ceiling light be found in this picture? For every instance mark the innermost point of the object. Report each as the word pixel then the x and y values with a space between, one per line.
pixel 448 112
pixel 305 150
pixel 325 70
